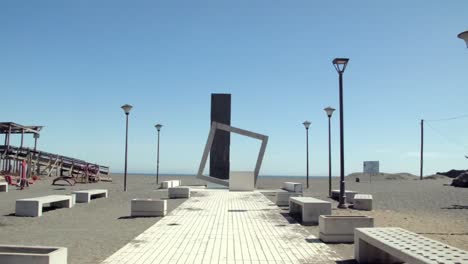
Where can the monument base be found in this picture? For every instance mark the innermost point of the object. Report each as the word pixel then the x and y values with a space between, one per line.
pixel 241 181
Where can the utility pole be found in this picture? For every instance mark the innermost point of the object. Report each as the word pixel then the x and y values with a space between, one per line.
pixel 422 148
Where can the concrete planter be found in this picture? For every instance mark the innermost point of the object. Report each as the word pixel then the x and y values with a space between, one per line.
pixel 10 254
pixel 340 229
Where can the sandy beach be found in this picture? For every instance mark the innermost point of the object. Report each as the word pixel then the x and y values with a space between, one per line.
pixel 94 231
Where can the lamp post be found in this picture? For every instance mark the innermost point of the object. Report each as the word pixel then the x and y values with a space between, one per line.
pixel 329 110
pixel 126 109
pixel 158 127
pixel 307 125
pixel 464 36
pixel 340 66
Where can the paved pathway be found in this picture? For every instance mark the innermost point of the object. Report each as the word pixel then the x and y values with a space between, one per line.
pixel 218 226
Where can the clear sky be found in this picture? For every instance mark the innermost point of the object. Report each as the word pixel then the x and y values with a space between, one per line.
pixel 70 65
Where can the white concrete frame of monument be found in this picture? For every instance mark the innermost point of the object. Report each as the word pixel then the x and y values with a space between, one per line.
pixel 214 127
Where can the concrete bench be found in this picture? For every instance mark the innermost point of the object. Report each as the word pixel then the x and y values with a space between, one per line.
pixel 148 207
pixel 348 193
pixel 178 192
pixel 292 186
pixel 169 184
pixel 3 187
pixel 340 228
pixel 10 254
pixel 363 202
pixel 85 196
pixel 33 206
pixel 397 245
pixel 282 197
pixel 309 208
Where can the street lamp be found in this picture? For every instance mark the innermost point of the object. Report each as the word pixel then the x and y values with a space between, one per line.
pixel 329 110
pixel 464 36
pixel 158 127
pixel 340 66
pixel 126 109
pixel 307 125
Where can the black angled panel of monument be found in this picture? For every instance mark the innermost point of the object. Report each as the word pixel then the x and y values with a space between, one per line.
pixel 219 152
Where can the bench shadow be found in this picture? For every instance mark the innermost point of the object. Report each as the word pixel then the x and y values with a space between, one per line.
pixel 346 261
pixel 290 218
pixel 456 206
pixel 135 217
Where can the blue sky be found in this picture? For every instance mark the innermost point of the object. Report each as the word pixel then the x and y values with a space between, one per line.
pixel 70 65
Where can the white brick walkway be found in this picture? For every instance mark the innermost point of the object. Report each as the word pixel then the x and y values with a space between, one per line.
pixel 218 226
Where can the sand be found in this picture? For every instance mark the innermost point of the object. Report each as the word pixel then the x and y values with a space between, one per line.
pixel 94 231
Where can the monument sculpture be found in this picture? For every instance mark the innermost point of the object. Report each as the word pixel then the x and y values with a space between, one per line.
pixel 219 151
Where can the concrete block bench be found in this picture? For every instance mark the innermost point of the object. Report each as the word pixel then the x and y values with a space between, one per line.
pixel 10 254
pixel 3 187
pixel 282 197
pixel 340 229
pixel 85 196
pixel 363 202
pixel 178 192
pixel 397 245
pixel 33 206
pixel 148 207
pixel 169 184
pixel 292 186
pixel 310 208
pixel 348 193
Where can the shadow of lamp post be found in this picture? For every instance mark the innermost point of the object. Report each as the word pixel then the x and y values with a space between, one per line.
pixel 340 66
pixel 126 109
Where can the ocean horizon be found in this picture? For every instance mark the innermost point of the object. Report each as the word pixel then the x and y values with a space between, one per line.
pixel 193 175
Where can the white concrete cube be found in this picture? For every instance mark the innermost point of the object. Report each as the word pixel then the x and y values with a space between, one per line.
pixel 363 202
pixel 3 187
pixel 310 208
pixel 148 207
pixel 292 186
pixel 175 183
pixel 178 192
pixel 241 181
pixel 12 254
pixel 340 229
pixel 282 197
pixel 166 184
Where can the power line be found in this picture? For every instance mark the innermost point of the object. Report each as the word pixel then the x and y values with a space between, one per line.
pixel 449 139
pixel 447 119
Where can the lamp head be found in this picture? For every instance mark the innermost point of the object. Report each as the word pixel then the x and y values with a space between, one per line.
pixel 127 108
pixel 158 127
pixel 464 36
pixel 329 111
pixel 340 64
pixel 306 124
pixel 37 135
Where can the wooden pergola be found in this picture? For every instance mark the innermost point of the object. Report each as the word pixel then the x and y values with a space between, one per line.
pixel 9 128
